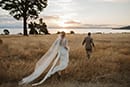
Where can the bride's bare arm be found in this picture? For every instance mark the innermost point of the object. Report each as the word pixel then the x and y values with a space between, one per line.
pixel 66 44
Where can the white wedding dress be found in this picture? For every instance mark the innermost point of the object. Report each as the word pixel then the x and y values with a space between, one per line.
pixel 57 52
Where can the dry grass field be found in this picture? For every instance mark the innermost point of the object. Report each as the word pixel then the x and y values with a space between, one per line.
pixel 109 65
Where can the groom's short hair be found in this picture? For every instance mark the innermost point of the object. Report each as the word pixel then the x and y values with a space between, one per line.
pixel 89 33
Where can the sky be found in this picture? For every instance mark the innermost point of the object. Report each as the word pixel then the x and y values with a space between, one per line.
pixel 79 13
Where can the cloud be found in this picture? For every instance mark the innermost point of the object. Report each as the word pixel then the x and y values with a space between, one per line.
pixel 73 22
pixel 101 25
pixel 6 20
pixel 116 0
pixel 111 0
pixel 51 17
pixel 51 20
pixel 55 20
pixel 61 6
pixel 60 1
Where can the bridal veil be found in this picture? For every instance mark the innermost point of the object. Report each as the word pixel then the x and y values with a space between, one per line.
pixel 51 57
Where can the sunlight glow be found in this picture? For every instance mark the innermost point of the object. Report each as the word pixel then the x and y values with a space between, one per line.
pixel 63 20
pixel 62 24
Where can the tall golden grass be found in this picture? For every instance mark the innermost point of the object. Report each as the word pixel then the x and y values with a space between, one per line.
pixel 109 65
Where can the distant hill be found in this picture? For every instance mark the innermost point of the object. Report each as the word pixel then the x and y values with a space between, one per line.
pixel 124 27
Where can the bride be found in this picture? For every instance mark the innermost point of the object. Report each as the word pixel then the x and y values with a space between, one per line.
pixel 58 52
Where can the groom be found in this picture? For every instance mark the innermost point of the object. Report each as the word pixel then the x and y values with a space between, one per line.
pixel 88 41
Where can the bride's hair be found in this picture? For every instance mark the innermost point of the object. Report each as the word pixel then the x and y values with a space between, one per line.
pixel 62 34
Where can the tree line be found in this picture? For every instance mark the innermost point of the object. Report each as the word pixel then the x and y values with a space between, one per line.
pixel 35 28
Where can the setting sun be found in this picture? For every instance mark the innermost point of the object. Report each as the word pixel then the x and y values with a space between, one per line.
pixel 62 24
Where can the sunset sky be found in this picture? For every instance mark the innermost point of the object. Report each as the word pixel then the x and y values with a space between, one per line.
pixel 78 13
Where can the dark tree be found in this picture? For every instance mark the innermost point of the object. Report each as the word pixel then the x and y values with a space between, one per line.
pixel 72 32
pixel 32 28
pixel 42 27
pixel 58 32
pixel 23 9
pixel 6 32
